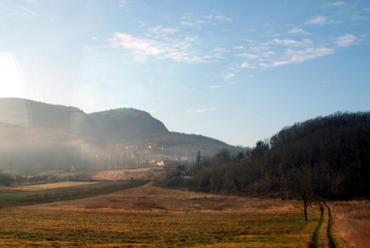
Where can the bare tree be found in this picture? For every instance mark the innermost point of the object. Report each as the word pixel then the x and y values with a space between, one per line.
pixel 300 184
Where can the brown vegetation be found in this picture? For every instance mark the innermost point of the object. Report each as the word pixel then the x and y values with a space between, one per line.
pixel 37 187
pixel 352 223
pixel 153 198
pixel 150 216
pixel 128 174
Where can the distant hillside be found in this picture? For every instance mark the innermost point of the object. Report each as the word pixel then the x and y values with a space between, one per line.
pixel 129 126
pixel 27 113
pixel 46 133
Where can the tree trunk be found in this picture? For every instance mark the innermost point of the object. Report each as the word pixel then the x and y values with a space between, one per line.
pixel 305 209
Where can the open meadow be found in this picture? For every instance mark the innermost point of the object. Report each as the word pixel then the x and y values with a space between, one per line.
pixel 51 192
pixel 146 173
pixel 352 223
pixel 45 186
pixel 150 216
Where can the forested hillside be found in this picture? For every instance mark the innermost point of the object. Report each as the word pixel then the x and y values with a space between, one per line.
pixel 326 157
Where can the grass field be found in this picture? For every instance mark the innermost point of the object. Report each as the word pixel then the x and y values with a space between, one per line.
pixel 46 194
pixel 150 216
pixel 148 173
pixel 44 186
pixel 352 223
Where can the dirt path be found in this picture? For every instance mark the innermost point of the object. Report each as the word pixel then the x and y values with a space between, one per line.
pixel 332 243
pixel 323 238
pixel 323 234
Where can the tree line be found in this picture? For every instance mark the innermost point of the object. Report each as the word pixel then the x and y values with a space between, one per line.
pixel 322 158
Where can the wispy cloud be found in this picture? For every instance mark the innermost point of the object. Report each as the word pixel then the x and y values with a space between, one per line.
pixel 338 3
pixel 317 20
pixel 215 86
pixel 176 42
pixel 139 45
pixel 248 55
pixel 345 40
pixel 146 47
pixel 123 3
pixel 292 42
pixel 201 110
pixel 299 56
pixel 215 54
pixel 217 17
pixel 210 19
pixel 182 42
pixel 229 76
pixel 163 31
pixel 280 51
pixel 245 65
pixel 298 30
pixel 19 9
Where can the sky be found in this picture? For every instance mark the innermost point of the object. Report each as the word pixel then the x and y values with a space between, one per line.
pixel 238 71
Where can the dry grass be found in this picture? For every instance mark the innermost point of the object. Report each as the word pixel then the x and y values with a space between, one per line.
pixel 152 198
pixel 44 186
pixel 127 174
pixel 150 216
pixel 352 223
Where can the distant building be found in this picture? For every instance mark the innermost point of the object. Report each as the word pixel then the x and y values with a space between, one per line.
pixel 160 163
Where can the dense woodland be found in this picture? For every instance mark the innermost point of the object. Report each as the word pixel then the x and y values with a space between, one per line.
pixel 323 158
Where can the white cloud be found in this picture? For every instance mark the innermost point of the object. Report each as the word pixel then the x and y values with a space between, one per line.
pixel 145 47
pixel 267 54
pixel 339 3
pixel 201 110
pixel 186 23
pixel 160 30
pixel 123 3
pixel 141 46
pixel 298 30
pixel 172 43
pixel 279 51
pixel 238 47
pixel 215 86
pixel 184 57
pixel 245 65
pixel 248 55
pixel 229 76
pixel 216 54
pixel 217 17
pixel 291 42
pixel 210 19
pixel 24 9
pixel 299 56
pixel 318 20
pixel 345 40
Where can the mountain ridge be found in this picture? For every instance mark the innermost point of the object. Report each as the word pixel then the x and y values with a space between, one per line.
pixel 122 135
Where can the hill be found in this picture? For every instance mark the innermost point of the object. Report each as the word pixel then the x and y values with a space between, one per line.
pixel 40 135
pixel 129 126
pixel 325 157
pixel 32 114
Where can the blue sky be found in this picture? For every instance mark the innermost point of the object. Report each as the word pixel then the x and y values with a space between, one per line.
pixel 238 71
